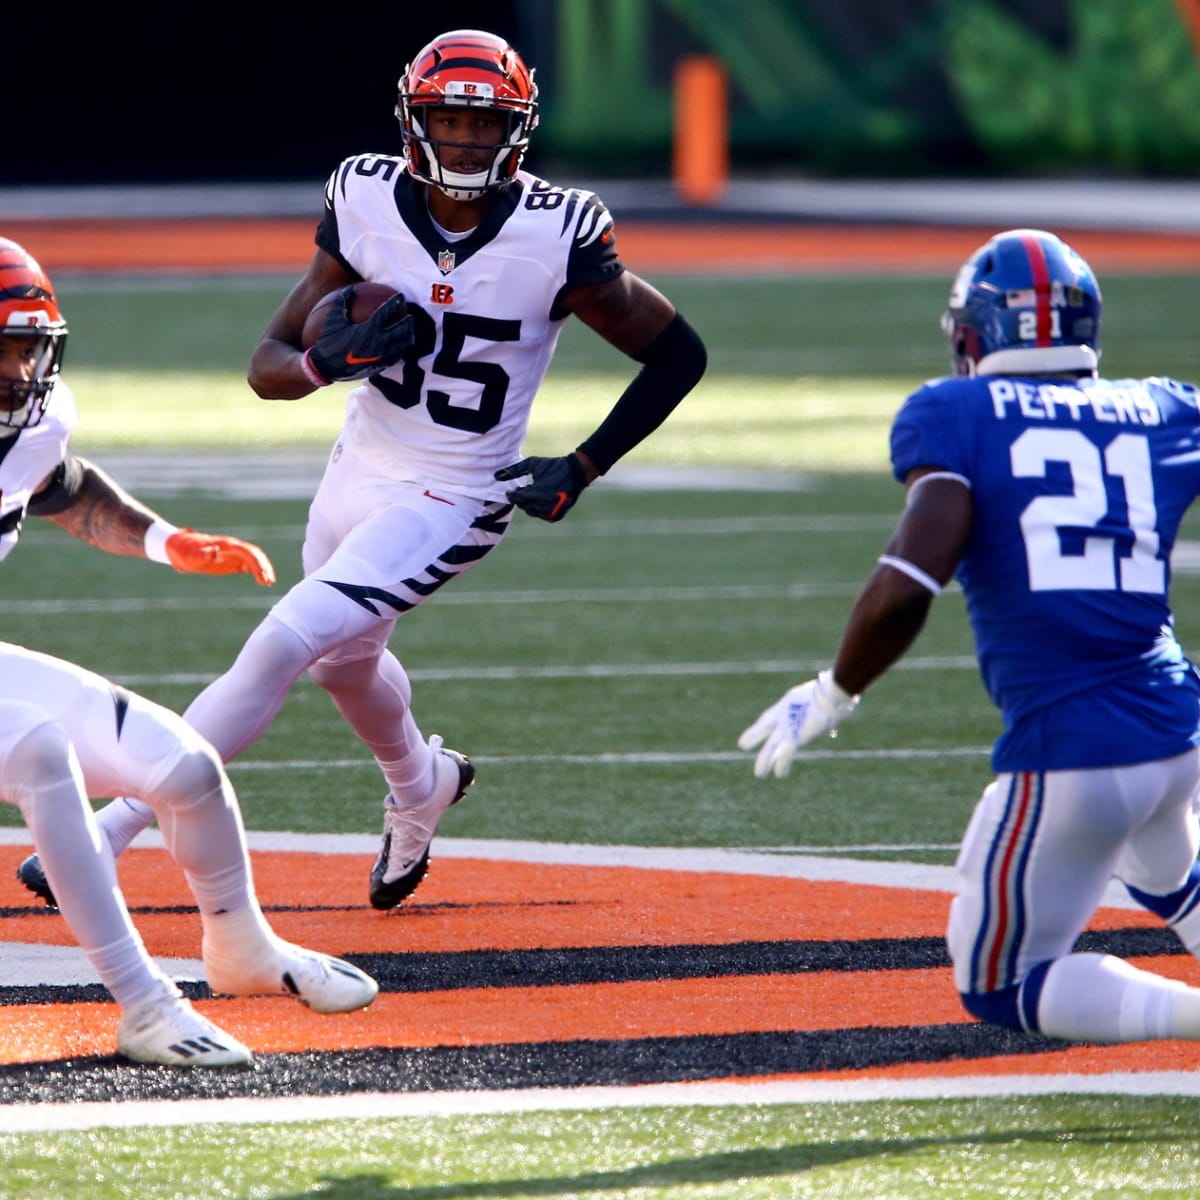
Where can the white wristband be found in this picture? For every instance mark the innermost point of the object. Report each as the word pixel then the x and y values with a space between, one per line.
pixel 311 373
pixel 912 571
pixel 156 540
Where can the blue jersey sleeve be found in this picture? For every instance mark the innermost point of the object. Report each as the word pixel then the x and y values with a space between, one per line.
pixel 929 431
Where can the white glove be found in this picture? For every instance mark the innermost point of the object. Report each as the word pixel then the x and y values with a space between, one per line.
pixel 801 714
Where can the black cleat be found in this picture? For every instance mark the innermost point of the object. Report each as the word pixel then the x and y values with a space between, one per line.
pixel 30 873
pixel 408 831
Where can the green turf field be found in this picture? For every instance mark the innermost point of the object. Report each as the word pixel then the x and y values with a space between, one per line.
pixel 650 623
pixel 1070 1148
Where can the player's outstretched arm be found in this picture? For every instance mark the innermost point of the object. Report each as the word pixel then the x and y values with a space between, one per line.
pixel 89 504
pixel 886 619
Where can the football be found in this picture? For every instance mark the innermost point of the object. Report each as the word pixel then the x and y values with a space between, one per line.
pixel 367 298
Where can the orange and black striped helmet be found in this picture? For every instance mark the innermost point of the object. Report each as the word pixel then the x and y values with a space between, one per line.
pixel 473 69
pixel 31 324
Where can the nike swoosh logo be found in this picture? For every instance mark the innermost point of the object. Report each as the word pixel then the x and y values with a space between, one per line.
pixel 439 499
pixel 562 499
pixel 354 360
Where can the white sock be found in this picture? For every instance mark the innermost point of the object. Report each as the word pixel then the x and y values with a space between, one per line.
pixel 1101 998
pixel 410 780
pixel 122 820
pixel 48 789
pixel 242 935
pixel 128 974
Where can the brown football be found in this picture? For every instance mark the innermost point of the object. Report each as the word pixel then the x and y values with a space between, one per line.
pixel 367 298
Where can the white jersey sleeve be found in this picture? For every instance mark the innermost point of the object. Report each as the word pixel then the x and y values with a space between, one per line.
pixel 487 312
pixel 27 459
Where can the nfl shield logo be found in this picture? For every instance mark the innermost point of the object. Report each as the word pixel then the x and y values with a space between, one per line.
pixel 446 261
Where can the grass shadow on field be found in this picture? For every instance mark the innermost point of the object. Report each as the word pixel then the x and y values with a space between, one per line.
pixel 740 1168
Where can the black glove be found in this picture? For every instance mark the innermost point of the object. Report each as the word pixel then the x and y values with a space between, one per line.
pixel 556 485
pixel 346 351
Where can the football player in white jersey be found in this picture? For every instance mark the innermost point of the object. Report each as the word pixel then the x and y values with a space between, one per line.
pixel 1054 497
pixel 487 261
pixel 40 475
pixel 68 736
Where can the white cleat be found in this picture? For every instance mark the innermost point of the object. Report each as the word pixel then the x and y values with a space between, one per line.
pixel 167 1029
pixel 408 830
pixel 323 983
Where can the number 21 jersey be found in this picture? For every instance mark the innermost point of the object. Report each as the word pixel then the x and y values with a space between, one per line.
pixel 1079 488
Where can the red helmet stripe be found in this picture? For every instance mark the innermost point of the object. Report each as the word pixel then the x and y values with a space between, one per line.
pixel 1041 287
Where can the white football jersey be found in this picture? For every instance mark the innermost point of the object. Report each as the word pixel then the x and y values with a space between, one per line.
pixel 28 458
pixel 124 744
pixel 486 311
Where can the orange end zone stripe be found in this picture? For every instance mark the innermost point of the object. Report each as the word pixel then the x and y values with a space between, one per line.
pixel 178 244
pixel 665 1009
pixel 480 904
pixel 477 904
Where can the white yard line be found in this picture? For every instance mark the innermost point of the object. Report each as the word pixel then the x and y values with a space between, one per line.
pixel 654 670
pixel 372 1106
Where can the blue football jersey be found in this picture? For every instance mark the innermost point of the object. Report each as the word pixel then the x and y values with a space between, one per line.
pixel 1079 487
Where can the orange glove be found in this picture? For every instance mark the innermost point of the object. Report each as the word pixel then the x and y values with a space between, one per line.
pixel 216 554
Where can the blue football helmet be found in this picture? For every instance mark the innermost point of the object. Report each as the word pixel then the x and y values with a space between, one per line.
pixel 1024 304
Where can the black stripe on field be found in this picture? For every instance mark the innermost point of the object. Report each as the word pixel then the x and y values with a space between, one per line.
pixel 36 908
pixel 589 1063
pixel 453 971
pixel 628 964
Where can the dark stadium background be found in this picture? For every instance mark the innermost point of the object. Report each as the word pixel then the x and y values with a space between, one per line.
pixel 177 93
pixel 831 89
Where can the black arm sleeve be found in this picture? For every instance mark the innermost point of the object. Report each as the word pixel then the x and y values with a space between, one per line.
pixel 674 363
pixel 62 490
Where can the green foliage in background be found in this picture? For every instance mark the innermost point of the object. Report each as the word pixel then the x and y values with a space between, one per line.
pixel 1123 91
pixel 871 87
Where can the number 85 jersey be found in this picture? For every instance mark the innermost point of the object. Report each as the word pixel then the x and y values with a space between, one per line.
pixel 1078 489
pixel 487 311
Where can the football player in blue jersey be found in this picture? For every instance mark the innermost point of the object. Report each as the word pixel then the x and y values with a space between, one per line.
pixel 1054 497
pixel 487 262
